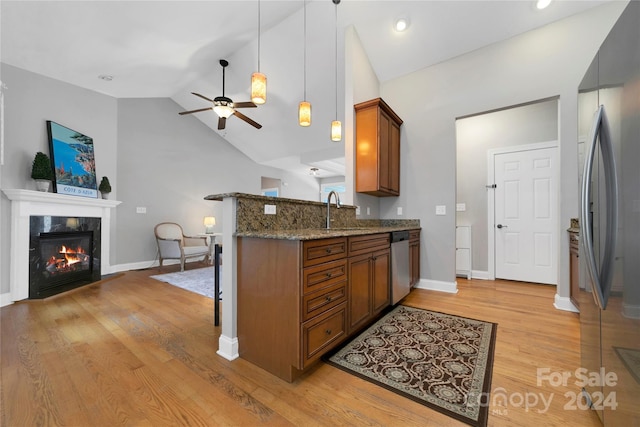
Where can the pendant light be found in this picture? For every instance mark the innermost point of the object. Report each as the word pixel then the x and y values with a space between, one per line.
pixel 336 126
pixel 258 80
pixel 304 109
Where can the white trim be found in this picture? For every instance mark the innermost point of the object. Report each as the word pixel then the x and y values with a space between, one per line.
pixel 27 203
pixel 437 285
pixel 5 299
pixel 491 153
pixel 228 347
pixel 564 303
pixel 631 311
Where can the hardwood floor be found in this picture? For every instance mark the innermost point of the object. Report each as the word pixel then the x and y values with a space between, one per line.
pixel 135 351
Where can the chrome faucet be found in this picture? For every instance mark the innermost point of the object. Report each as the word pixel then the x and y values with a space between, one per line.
pixel 329 207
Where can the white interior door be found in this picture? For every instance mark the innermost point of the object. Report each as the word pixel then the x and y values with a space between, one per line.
pixel 526 215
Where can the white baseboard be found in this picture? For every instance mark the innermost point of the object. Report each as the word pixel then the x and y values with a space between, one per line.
pixel 564 303
pixel 481 275
pixel 631 311
pixel 228 347
pixel 5 299
pixel 437 285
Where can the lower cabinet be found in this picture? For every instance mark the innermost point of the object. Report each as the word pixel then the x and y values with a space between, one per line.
pixel 414 256
pixel 299 299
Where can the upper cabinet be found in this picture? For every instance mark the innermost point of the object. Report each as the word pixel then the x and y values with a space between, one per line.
pixel 377 149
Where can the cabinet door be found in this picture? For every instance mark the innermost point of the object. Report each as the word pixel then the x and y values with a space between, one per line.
pixel 414 261
pixel 384 142
pixel 394 157
pixel 359 290
pixel 380 262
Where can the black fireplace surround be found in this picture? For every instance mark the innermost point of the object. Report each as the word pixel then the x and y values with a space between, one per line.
pixel 64 254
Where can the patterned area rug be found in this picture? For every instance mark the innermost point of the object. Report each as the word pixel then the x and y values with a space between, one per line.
pixel 442 361
pixel 199 280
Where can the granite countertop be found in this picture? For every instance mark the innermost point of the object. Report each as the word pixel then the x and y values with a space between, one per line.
pixel 324 233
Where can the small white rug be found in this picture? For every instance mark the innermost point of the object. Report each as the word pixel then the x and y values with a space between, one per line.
pixel 199 280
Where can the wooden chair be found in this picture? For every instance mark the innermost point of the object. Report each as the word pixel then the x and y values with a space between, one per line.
pixel 173 244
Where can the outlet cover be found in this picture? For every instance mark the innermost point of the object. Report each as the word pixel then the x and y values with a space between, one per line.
pixel 270 209
pixel 399 210
pixel 461 207
pixel 441 210
pixel 141 210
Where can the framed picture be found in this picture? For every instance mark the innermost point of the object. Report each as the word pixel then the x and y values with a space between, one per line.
pixel 73 160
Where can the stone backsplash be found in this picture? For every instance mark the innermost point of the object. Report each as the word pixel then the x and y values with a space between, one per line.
pixel 293 214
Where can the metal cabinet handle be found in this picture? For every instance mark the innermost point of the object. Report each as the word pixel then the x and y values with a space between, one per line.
pixel 328 332
pixel 328 298
pixel 603 277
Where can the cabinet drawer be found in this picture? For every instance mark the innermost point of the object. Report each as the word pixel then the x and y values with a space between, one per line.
pixel 319 302
pixel 322 275
pixel 323 333
pixel 414 234
pixel 372 242
pixel 323 250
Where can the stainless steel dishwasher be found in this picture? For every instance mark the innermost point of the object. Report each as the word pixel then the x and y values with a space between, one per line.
pixel 400 274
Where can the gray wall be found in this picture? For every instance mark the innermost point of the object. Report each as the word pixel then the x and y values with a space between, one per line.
pixel 30 100
pixel 153 157
pixel 475 135
pixel 543 63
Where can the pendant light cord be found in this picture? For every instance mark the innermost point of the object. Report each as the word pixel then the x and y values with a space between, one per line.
pixel 305 52
pixel 258 35
pixel 336 63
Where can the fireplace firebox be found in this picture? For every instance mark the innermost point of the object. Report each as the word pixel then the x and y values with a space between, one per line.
pixel 64 254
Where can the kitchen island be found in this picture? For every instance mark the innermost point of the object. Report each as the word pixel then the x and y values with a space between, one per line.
pixel 298 289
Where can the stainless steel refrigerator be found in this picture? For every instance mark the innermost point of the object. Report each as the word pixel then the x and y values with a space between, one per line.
pixel 609 296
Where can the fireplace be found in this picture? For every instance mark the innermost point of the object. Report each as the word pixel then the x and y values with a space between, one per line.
pixel 64 253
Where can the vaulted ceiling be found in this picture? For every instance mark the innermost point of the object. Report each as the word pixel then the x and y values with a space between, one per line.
pixel 172 48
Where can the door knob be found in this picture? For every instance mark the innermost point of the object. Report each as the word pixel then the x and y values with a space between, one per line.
pixel 501 226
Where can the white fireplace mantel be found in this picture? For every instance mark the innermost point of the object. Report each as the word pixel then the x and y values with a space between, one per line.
pixel 27 203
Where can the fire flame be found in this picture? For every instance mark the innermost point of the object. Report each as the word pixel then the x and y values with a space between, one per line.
pixel 68 258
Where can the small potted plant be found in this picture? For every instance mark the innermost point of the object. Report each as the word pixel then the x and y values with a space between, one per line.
pixel 105 187
pixel 42 171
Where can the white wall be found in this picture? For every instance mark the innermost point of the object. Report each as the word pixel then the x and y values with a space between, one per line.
pixel 546 62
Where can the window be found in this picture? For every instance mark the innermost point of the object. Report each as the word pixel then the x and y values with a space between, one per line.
pixel 325 189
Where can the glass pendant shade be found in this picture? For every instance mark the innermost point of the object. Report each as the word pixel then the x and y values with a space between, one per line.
pixel 258 88
pixel 304 113
pixel 223 111
pixel 336 130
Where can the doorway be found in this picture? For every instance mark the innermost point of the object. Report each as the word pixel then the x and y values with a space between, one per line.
pixel 518 125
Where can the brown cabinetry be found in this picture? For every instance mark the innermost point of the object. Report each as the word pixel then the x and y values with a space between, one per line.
pixel 368 287
pixel 574 284
pixel 414 256
pixel 377 149
pixel 299 299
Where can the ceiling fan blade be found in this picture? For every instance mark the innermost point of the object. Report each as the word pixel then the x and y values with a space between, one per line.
pixel 241 116
pixel 195 111
pixel 202 96
pixel 247 104
pixel 222 121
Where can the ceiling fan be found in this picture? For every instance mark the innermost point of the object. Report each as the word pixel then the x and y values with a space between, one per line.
pixel 225 107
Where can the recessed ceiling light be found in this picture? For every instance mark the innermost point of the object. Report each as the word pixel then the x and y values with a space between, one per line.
pixel 542 4
pixel 105 77
pixel 401 24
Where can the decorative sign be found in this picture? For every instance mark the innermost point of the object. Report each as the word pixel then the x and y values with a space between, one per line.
pixel 73 160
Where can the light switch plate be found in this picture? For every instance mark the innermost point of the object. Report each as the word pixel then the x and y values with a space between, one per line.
pixel 441 210
pixel 269 209
pixel 461 207
pixel 357 210
pixel 141 210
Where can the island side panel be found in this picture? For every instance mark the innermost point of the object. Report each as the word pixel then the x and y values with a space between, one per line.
pixel 268 299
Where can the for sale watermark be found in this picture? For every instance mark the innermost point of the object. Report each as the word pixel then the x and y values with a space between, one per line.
pixel 501 400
